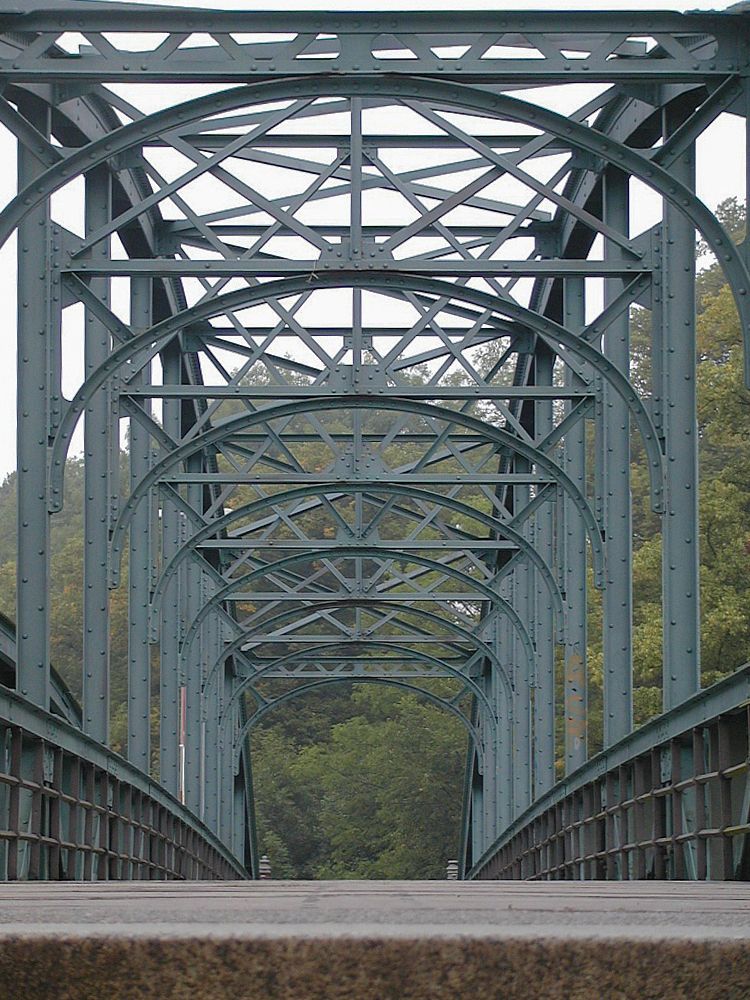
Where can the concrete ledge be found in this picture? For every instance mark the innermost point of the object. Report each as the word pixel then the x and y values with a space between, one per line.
pixel 375 941
pixel 345 969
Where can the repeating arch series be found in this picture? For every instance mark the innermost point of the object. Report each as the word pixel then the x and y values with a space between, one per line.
pixel 208 493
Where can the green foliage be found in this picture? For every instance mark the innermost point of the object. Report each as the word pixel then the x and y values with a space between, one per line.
pixel 724 498
pixel 66 611
pixel 380 798
pixel 731 214
pixel 724 506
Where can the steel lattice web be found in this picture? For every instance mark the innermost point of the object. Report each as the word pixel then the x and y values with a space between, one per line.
pixel 358 286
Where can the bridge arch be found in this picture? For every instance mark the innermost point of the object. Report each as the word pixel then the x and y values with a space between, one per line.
pixel 233 586
pixel 482 647
pixel 496 434
pixel 161 333
pixel 651 76
pixel 246 683
pixel 314 685
pixel 406 490
pixel 473 98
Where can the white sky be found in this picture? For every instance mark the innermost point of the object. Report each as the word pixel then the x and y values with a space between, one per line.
pixel 379 5
pixel 720 158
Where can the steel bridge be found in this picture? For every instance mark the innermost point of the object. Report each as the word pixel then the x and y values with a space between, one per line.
pixel 357 288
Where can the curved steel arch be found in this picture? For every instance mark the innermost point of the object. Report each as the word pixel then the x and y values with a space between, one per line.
pixel 406 490
pixel 162 332
pixel 223 430
pixel 306 688
pixel 246 683
pixel 479 644
pixel 354 550
pixel 472 98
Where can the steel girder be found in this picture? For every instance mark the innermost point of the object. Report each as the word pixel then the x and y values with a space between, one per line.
pixel 368 669
pixel 552 47
pixel 153 339
pixel 379 368
pixel 381 614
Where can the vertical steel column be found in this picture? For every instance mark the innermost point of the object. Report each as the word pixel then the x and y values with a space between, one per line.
pixel 680 557
pixel 509 647
pixel 478 839
pixel 33 564
pixel 489 751
pixel 95 694
pixel 504 761
pixel 574 464
pixel 139 651
pixel 193 677
pixel 210 729
pixel 522 768
pixel 503 708
pixel 617 599
pixel 544 694
pixel 226 769
pixel 170 619
pixel 250 833
pixel 746 242
pixel 239 825
pixel 508 658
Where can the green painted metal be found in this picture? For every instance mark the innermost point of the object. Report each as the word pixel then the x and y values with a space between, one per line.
pixel 352 42
pixel 574 565
pixel 33 564
pixel 680 559
pixel 496 526
pixel 96 681
pixel 617 603
pixel 163 333
pixel 139 562
pixel 721 699
pixel 394 612
pixel 544 612
pixel 601 146
pixel 357 369
pixel 366 670
pixel 324 403
pixel 56 732
pixel 474 587
pixel 62 702
pixel 169 629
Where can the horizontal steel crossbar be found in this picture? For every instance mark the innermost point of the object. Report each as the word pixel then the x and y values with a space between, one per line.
pixel 610 47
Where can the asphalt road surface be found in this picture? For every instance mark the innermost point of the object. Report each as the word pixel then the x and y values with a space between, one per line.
pixel 651 910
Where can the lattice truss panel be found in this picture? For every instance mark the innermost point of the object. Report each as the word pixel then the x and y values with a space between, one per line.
pixel 359 289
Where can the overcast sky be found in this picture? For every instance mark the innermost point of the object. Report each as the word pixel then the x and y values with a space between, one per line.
pixel 435 5
pixel 720 154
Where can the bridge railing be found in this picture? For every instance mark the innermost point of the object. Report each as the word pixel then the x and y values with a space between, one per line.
pixel 671 800
pixel 71 809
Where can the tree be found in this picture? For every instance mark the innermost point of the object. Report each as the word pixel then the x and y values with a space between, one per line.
pixel 379 799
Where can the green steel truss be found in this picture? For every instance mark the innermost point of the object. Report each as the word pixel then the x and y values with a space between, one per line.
pixel 358 288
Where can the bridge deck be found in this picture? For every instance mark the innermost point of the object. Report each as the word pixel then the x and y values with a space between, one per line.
pixel 405 940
